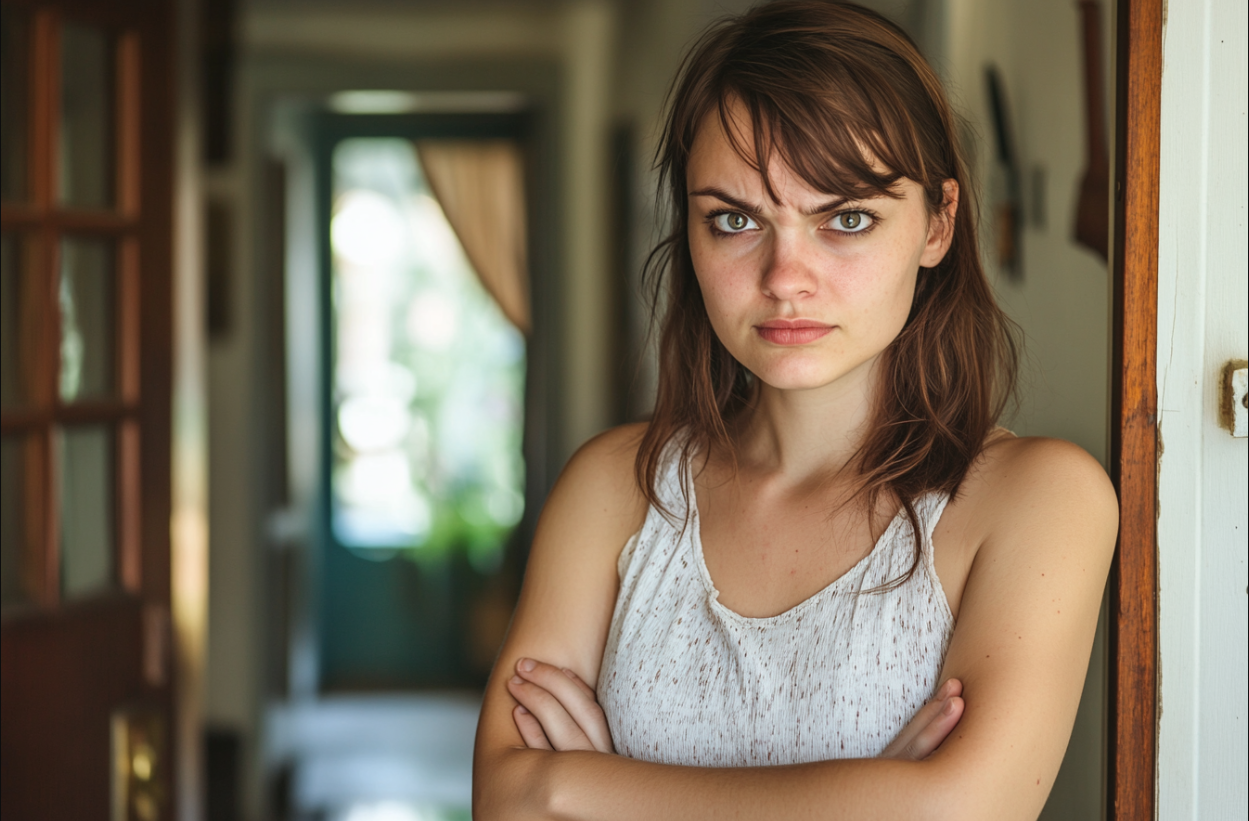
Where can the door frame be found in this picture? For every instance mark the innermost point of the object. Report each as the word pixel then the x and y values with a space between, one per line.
pixel 1132 731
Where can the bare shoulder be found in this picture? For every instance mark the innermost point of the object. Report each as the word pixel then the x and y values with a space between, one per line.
pixel 1021 499
pixel 1026 479
pixel 1034 499
pixel 599 479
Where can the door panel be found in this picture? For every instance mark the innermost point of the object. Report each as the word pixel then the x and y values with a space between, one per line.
pixel 89 663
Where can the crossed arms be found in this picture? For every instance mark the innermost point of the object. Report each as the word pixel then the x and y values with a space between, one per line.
pixel 1046 520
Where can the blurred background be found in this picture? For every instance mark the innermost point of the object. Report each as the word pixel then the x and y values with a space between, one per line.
pixel 416 229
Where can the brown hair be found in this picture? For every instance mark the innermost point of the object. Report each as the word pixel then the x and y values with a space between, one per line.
pixel 827 86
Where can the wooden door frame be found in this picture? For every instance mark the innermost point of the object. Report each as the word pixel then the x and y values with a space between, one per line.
pixel 1132 730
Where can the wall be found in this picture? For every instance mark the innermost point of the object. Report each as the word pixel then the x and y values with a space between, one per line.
pixel 1202 522
pixel 1062 302
pixel 189 451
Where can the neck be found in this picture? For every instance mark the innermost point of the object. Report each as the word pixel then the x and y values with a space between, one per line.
pixel 811 433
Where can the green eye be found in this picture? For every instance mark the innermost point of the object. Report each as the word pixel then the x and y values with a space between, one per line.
pixel 851 222
pixel 733 222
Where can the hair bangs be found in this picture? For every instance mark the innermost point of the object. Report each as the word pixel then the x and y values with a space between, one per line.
pixel 834 117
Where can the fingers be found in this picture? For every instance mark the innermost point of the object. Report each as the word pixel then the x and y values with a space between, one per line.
pixel 574 696
pixel 929 716
pixel 530 729
pixel 585 688
pixel 929 738
pixel 558 726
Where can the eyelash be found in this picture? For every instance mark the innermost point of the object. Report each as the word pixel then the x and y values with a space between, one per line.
pixel 872 215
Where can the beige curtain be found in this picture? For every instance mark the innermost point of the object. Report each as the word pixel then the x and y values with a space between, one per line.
pixel 480 186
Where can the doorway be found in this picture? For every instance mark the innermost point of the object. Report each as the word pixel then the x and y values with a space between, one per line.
pixel 425 393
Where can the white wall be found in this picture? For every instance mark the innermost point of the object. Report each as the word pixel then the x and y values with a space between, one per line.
pixel 1203 736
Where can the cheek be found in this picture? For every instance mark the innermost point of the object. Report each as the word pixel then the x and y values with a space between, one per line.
pixel 895 266
pixel 876 286
pixel 724 290
pixel 726 280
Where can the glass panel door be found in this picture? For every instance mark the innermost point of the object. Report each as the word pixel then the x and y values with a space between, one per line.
pixel 426 472
pixel 88 331
pixel 63 291
pixel 85 152
pixel 84 533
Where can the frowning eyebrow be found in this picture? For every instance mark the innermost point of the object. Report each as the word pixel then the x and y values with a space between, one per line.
pixel 755 210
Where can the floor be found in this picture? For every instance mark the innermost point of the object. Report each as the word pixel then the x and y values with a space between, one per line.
pixel 377 757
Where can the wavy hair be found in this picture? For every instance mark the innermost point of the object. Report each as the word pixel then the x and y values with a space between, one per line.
pixel 829 87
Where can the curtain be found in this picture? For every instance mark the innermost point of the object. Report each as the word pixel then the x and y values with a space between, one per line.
pixel 480 186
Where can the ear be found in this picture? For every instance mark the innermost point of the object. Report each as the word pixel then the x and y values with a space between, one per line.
pixel 941 227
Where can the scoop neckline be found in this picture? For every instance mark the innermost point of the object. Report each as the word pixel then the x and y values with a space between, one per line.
pixel 696 541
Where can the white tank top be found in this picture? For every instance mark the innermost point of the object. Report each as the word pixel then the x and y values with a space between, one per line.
pixel 685 680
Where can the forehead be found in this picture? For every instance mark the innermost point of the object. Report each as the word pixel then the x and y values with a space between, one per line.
pixel 724 153
pixel 713 153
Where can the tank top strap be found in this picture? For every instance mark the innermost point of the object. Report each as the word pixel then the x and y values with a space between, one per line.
pixel 674 485
pixel 933 504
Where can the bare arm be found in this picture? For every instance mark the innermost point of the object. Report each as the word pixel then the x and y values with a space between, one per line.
pixel 1025 626
pixel 564 609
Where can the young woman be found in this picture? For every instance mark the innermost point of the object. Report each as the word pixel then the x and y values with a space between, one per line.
pixel 820 582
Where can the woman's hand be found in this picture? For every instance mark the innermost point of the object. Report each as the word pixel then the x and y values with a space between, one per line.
pixel 557 710
pixel 934 721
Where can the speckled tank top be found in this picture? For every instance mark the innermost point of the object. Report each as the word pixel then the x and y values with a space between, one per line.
pixel 685 680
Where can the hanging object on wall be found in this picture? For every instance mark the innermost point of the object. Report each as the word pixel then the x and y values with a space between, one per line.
pixel 1007 217
pixel 1092 228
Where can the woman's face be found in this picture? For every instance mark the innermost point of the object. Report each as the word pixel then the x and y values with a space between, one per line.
pixel 810 289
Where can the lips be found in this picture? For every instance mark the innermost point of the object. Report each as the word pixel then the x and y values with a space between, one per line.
pixel 792 331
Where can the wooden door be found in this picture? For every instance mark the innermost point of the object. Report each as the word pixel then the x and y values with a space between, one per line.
pixel 85 409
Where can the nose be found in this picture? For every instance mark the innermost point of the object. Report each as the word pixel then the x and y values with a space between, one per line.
pixel 789 274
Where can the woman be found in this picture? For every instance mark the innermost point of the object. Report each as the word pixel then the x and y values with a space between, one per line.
pixel 820 582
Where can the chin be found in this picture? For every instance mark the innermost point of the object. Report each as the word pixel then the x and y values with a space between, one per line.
pixel 795 370
pixel 792 378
